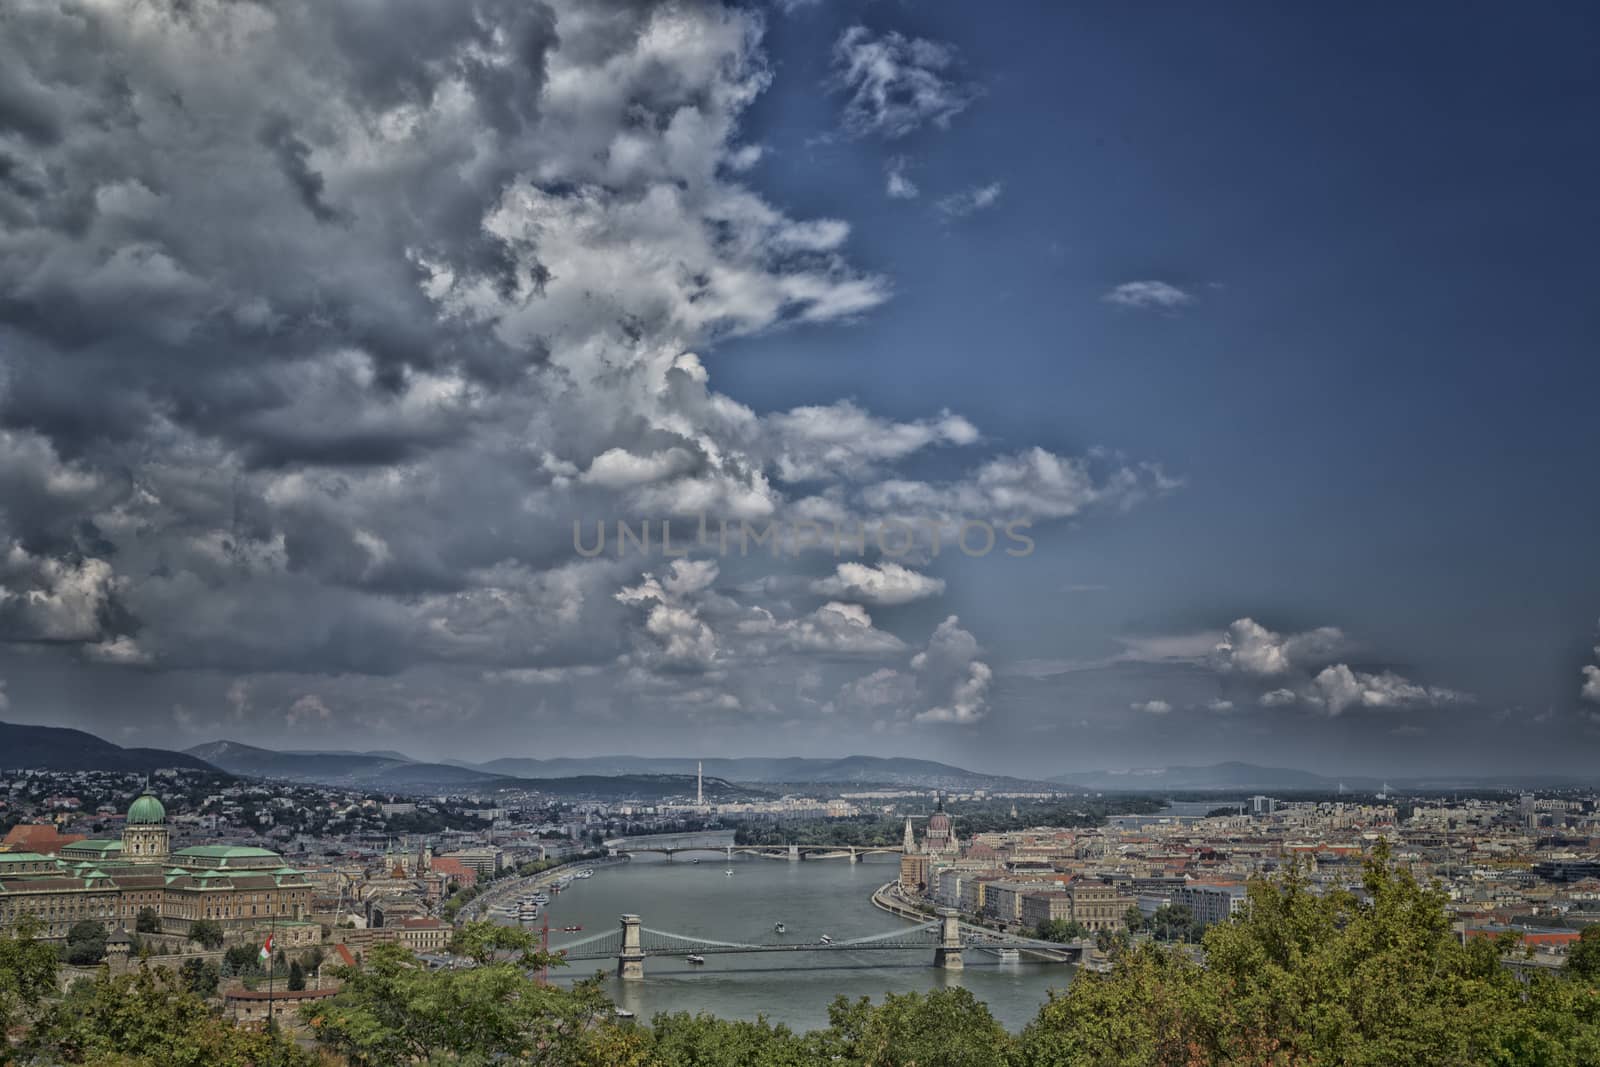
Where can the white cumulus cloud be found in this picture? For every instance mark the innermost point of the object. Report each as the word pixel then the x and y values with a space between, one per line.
pixel 1157 295
pixel 884 583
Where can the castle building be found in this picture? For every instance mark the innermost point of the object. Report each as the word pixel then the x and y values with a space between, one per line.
pixel 112 881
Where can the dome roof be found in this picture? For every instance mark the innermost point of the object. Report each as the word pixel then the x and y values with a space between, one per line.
pixel 147 811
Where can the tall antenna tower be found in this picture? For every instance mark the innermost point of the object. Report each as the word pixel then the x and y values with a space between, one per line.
pixel 699 784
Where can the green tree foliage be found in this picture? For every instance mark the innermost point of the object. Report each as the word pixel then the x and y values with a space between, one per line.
pixel 148 1019
pixel 1371 979
pixel 27 975
pixel 684 1040
pixel 207 933
pixel 86 942
pixel 241 961
pixel 394 1011
pixel 1133 919
pixel 1583 958
pixel 945 1028
pixel 1059 930
pixel 200 977
pixel 148 922
pixel 483 942
pixel 297 976
pixel 1174 922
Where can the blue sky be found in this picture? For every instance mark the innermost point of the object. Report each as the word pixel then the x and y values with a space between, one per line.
pixel 1381 397
pixel 1298 304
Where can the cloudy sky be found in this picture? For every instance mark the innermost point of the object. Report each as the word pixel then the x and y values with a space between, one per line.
pixel 1263 345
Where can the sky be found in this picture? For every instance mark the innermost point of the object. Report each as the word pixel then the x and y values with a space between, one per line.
pixel 1261 342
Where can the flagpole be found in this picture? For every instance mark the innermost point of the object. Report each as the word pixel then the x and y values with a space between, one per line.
pixel 272 930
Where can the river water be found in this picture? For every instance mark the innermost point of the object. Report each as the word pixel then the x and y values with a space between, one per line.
pixel 811 898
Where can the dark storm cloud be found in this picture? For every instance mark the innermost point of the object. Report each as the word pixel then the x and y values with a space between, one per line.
pixel 321 320
pixel 293 155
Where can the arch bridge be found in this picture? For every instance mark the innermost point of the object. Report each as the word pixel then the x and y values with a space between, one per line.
pixel 946 936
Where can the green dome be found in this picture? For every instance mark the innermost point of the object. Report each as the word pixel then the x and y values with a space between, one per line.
pixel 147 811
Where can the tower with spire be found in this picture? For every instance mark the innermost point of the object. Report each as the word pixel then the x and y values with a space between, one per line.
pixel 699 784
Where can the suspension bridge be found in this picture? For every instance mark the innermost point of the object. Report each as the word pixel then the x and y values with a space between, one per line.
pixel 945 936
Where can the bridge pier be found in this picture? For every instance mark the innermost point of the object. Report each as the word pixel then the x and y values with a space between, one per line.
pixel 948 955
pixel 630 961
pixel 853 857
pixel 794 853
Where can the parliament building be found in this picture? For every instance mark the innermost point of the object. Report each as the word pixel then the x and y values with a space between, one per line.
pixel 112 881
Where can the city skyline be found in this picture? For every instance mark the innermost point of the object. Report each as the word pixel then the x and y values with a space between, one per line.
pixel 328 339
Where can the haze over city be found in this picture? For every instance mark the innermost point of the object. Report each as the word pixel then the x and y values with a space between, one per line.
pixel 320 329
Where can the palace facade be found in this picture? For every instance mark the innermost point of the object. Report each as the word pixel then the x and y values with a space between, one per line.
pixel 112 881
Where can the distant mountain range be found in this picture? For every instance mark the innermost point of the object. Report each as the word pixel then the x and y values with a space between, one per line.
pixel 1242 777
pixel 654 777
pixel 394 770
pixel 1231 776
pixel 388 771
pixel 375 770
pixel 55 748
pixel 847 770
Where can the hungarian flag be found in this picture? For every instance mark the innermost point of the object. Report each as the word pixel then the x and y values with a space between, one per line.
pixel 266 950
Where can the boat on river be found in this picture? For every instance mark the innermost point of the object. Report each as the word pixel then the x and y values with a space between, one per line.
pixel 778 928
pixel 695 958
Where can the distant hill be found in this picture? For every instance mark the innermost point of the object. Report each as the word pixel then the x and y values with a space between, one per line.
pixel 1216 776
pixel 56 748
pixel 392 772
pixel 381 771
pixel 1249 777
pixel 848 770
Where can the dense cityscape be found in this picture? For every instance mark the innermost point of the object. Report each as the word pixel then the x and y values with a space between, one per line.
pixel 269 900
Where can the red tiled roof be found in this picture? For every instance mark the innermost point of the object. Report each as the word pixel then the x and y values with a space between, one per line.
pixel 37 837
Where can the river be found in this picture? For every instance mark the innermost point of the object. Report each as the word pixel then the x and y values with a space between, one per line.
pixel 811 898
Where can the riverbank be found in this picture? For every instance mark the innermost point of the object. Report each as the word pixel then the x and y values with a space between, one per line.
pixel 499 891
pixel 887 898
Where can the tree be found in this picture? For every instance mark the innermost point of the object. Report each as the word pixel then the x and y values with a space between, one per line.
pixel 395 1011
pixel 149 1017
pixel 242 960
pixel 1583 958
pixel 86 942
pixel 207 933
pixel 28 969
pixel 200 977
pixel 1133 919
pixel 684 1040
pixel 148 922
pixel 1059 930
pixel 945 1028
pixel 1173 922
pixel 297 976
pixel 482 942
pixel 1335 978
